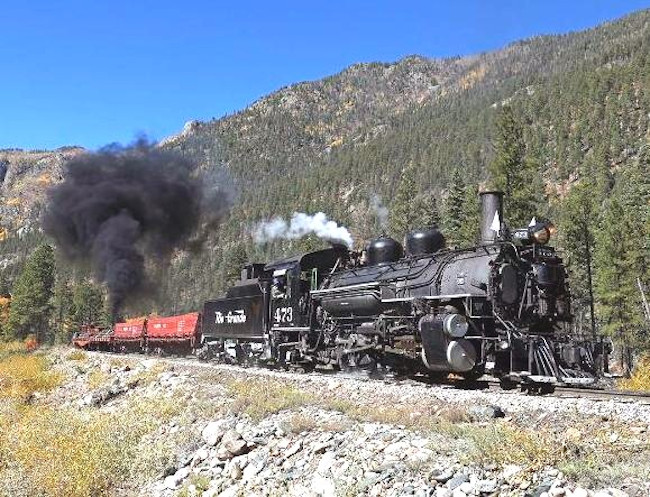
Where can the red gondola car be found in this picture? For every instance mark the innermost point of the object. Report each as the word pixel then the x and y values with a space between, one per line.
pixel 173 333
pixel 129 335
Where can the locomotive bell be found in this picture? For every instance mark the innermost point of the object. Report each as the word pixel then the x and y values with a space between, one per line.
pixel 426 241
pixel 384 250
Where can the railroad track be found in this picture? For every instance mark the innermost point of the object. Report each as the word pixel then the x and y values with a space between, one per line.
pixel 484 384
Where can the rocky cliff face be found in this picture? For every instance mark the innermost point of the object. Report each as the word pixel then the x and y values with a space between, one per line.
pixel 25 177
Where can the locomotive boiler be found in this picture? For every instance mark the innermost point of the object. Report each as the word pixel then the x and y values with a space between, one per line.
pixel 499 307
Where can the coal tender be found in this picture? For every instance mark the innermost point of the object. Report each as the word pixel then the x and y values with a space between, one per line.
pixel 499 307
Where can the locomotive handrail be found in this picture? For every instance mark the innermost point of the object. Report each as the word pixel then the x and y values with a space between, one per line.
pixel 430 297
pixel 373 284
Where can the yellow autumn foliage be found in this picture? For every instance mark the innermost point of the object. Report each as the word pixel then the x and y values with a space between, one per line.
pixel 21 375
pixel 640 379
pixel 55 451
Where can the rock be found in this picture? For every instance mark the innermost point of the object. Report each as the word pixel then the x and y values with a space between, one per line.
pixel 237 447
pixel 253 469
pixel 234 443
pixel 212 433
pixel 235 472
pixel 293 449
pixel 580 492
pixel 542 489
pixel 231 491
pixel 487 486
pixel 443 492
pixel 323 487
pixel 615 492
pixel 557 492
pixel 466 487
pixel 457 481
pixel 486 413
pixel 172 482
pixel 442 476
pixel 326 462
pixel 320 448
pixel 510 470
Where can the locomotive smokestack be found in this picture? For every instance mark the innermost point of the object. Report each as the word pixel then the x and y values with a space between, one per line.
pixel 491 216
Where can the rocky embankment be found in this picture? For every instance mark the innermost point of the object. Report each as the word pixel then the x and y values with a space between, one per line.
pixel 256 432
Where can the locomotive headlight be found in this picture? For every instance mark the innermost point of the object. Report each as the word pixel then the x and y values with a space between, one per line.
pixel 541 232
pixel 542 236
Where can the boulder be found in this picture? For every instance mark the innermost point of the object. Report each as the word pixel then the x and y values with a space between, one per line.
pixel 212 433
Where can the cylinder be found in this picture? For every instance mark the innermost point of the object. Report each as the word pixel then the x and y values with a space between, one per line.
pixel 491 216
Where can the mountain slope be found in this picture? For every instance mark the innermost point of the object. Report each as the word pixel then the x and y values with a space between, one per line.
pixel 332 144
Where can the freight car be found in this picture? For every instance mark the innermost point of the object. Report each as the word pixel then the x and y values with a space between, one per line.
pixel 160 335
pixel 500 307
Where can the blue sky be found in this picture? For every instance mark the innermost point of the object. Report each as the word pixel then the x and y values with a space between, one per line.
pixel 94 72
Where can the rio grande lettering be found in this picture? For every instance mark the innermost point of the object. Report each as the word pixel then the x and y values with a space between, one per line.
pixel 236 317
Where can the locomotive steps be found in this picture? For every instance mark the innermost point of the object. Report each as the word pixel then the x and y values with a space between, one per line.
pixel 171 427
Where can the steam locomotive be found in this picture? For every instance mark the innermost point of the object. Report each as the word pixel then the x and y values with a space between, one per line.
pixel 499 307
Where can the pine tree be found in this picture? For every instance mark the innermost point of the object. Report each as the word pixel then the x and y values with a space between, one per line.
pixel 461 219
pixel 232 263
pixel 623 259
pixel 469 229
pixel 425 212
pixel 62 311
pixel 512 173
pixel 454 209
pixel 31 303
pixel 401 216
pixel 577 223
pixel 87 304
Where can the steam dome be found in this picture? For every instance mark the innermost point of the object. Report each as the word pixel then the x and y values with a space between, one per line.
pixel 384 250
pixel 427 241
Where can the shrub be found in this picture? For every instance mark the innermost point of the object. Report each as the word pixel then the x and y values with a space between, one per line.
pixel 77 355
pixel 67 452
pixel 260 398
pixel 31 343
pixel 640 379
pixel 21 375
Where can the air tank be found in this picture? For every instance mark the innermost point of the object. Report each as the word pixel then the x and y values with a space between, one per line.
pixel 426 241
pixel 384 250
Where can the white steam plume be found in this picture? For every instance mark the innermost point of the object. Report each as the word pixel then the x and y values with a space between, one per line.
pixel 302 224
pixel 380 210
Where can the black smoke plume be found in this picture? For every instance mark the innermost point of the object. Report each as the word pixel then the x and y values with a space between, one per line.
pixel 120 207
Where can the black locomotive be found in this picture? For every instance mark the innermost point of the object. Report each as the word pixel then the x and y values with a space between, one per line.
pixel 499 307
